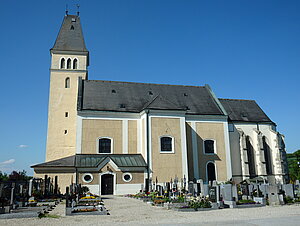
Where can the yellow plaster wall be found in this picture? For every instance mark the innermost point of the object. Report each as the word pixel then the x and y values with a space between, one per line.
pixel 62 100
pixel 166 165
pixel 215 131
pixel 92 129
pixel 132 137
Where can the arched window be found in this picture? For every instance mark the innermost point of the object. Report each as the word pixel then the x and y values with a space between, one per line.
pixel 209 146
pixel 250 156
pixel 62 63
pixel 67 83
pixel 69 63
pixel 211 171
pixel 268 157
pixel 105 146
pixel 166 144
pixel 75 64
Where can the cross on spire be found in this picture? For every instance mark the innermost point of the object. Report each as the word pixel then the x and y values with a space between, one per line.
pixel 77 5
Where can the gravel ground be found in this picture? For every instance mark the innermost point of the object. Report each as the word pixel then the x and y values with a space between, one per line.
pixel 126 211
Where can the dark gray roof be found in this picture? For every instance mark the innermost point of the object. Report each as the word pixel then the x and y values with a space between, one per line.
pixel 70 37
pixel 63 162
pixel 126 160
pixel 135 97
pixel 244 110
pixel 86 160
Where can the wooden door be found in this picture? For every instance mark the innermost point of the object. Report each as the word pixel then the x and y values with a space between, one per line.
pixel 107 184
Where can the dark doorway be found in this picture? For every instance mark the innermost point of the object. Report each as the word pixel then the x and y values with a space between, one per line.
pixel 211 172
pixel 107 184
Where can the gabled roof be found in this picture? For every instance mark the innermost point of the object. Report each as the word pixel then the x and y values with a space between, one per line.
pixel 70 36
pixel 160 103
pixel 90 161
pixel 244 110
pixel 135 97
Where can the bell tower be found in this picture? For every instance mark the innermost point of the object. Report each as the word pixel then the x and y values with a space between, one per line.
pixel 69 61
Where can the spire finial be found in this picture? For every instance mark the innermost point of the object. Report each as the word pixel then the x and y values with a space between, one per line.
pixel 77 5
pixel 67 11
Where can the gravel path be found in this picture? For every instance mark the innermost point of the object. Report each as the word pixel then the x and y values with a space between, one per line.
pixel 126 211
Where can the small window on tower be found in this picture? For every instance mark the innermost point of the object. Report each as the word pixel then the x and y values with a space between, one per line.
pixel 69 63
pixel 62 63
pixel 72 27
pixel 75 64
pixel 67 83
pixel 66 114
pixel 66 131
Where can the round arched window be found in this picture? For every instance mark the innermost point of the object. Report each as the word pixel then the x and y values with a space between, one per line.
pixel 87 178
pixel 127 177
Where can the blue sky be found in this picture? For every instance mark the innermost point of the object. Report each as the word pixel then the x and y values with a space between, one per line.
pixel 242 49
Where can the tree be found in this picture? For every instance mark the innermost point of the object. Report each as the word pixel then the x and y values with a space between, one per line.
pixel 294 165
pixel 19 176
pixel 3 176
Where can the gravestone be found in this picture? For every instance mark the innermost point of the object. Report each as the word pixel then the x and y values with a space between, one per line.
pixel 212 192
pixel 218 193
pixel 200 181
pixel 273 195
pixel 30 187
pixel 160 190
pixel 191 187
pixel 227 192
pixel 264 189
pixel 205 190
pixel 198 189
pixel 250 188
pixel 195 189
pixel 288 189
pixel 234 192
pixel 245 189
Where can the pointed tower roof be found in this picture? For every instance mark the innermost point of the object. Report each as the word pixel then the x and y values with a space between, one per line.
pixel 70 37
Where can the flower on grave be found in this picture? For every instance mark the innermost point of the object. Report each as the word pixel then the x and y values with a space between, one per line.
pixel 207 196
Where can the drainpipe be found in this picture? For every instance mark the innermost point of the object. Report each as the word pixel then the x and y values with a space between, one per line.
pixel 148 147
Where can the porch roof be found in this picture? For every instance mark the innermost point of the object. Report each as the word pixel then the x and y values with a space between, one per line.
pixel 93 160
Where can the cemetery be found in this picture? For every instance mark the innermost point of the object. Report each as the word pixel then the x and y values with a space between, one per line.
pixel 199 196
pixel 37 197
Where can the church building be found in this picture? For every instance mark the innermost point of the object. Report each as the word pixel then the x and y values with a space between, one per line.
pixel 117 137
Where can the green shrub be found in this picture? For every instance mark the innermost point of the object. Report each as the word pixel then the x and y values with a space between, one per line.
pixel 246 201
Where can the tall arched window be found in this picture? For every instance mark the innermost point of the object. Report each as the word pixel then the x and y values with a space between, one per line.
pixel 62 63
pixel 250 155
pixel 267 154
pixel 69 63
pixel 67 83
pixel 75 64
pixel 211 171
pixel 105 146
